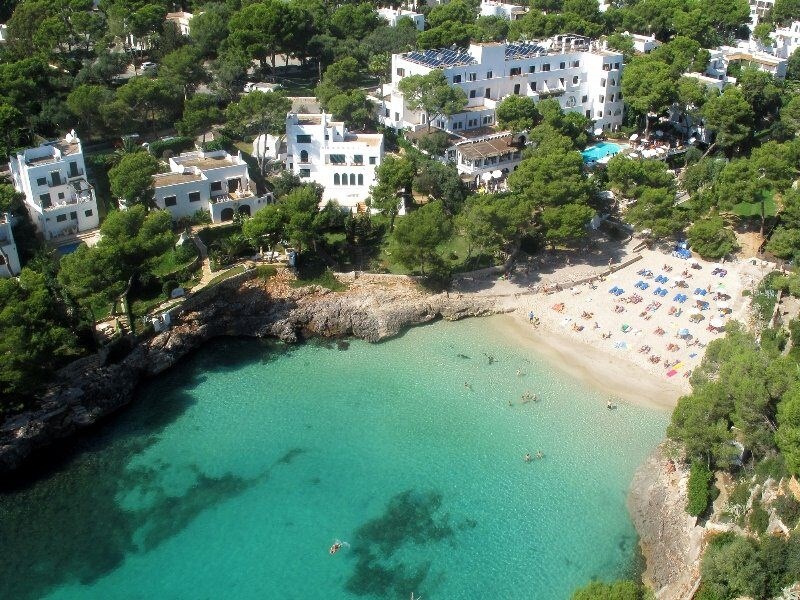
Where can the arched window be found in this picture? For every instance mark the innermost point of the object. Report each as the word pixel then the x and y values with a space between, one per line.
pixel 344 178
pixel 352 178
pixel 304 156
pixel 335 179
pixel 360 179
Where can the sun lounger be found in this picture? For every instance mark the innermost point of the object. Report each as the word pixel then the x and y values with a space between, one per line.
pixel 664 292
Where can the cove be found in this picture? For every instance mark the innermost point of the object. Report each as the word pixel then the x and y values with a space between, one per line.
pixel 232 475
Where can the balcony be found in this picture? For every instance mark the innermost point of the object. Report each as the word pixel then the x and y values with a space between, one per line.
pixel 551 93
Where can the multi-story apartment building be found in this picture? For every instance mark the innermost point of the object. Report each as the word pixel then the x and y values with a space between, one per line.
pixel 580 73
pixel 58 197
pixel 759 9
pixel 214 181
pixel 787 39
pixel 322 150
pixel 9 259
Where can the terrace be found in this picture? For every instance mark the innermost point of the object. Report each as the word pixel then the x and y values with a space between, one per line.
pixel 167 179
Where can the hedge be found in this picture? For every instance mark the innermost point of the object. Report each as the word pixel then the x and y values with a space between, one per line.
pixel 175 145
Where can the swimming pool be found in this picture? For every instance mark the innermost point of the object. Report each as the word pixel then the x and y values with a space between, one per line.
pixel 598 151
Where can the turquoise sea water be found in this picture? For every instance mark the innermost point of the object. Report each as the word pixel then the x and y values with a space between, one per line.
pixel 232 476
pixel 600 150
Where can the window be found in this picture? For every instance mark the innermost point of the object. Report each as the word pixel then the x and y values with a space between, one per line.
pixel 41 181
pixel 386 113
pixel 61 218
pixel 373 160
pixel 456 78
pixel 570 101
pixel 606 67
pixel 401 72
pixel 533 86
pixel 170 200
pixel 516 89
pixel 603 82
pixel 488 120
pixel 575 80
pixel 336 179
pixel 216 186
pixel 616 65
pixel 88 213
pixel 473 76
pixel 335 159
pixel 611 99
pixel 55 176
pixel 472 123
pixel 576 63
pixel 358 159
pixel 44 199
pixel 602 98
pixel 588 114
pixel 546 67
pixel 612 82
pixel 352 178
pixel 532 69
pixel 303 139
pixel 305 173
pixel 562 65
pixel 303 156
pixel 561 81
pixel 585 99
pixel 488 74
pixel 397 116
pixel 515 71
pixel 360 179
pixel 73 216
pixel 60 195
pixel 488 93
pixel 73 169
pixel 194 196
pixel 599 113
pixel 472 93
pixel 458 125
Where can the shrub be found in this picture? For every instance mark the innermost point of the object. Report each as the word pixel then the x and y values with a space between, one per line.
pixel 266 271
pixel 618 590
pixel 699 492
pixel 759 518
pixel 175 145
pixel 169 285
pixel 788 509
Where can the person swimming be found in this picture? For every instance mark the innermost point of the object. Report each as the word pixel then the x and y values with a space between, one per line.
pixel 527 457
pixel 539 454
pixel 336 546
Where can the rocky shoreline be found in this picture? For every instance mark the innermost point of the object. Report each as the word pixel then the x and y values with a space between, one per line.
pixel 374 308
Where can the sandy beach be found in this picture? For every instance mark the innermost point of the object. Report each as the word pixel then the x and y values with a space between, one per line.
pixel 636 333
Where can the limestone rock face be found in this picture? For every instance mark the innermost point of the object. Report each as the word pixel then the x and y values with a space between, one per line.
pixel 671 540
pixel 372 309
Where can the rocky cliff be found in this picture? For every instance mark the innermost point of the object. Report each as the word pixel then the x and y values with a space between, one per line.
pixel 372 309
pixel 671 540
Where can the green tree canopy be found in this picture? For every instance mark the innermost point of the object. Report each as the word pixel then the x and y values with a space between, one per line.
pixel 417 236
pixel 551 177
pixel 731 118
pixel 655 210
pixel 432 94
pixel 517 113
pixel 710 238
pixel 132 178
pixel 258 112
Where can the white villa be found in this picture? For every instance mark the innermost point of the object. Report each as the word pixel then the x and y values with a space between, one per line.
pixel 759 9
pixel 321 150
pixel 214 181
pixel 787 39
pixel 492 8
pixel 746 54
pixel 181 20
pixel 58 197
pixel 643 43
pixel 9 259
pixel 393 15
pixel 580 73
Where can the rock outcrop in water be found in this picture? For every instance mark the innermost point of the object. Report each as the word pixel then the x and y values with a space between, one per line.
pixel 373 309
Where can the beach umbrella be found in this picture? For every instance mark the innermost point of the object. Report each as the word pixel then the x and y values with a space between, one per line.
pixel 486 176
pixel 497 173
pixel 633 155
pixel 634 137
pixel 598 131
pixel 717 323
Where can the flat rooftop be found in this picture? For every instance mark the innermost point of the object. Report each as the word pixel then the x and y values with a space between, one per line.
pixel 309 119
pixel 205 162
pixel 438 59
pixel 166 179
pixel 370 139
pixel 486 148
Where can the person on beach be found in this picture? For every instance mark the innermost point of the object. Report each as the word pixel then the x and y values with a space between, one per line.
pixel 530 317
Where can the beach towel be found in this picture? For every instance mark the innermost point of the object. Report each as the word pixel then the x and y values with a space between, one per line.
pixel 672 373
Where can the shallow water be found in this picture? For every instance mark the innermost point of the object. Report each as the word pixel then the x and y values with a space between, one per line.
pixel 233 475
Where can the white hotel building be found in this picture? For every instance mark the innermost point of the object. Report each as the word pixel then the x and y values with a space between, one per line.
pixel 58 196
pixel 212 181
pixel 582 75
pixel 321 150
pixel 9 259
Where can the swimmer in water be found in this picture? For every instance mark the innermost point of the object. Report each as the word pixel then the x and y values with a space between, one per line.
pixel 467 385
pixel 539 454
pixel 337 545
pixel 528 457
pixel 519 373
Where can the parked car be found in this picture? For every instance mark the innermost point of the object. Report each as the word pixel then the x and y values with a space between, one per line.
pixel 149 67
pixel 252 86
